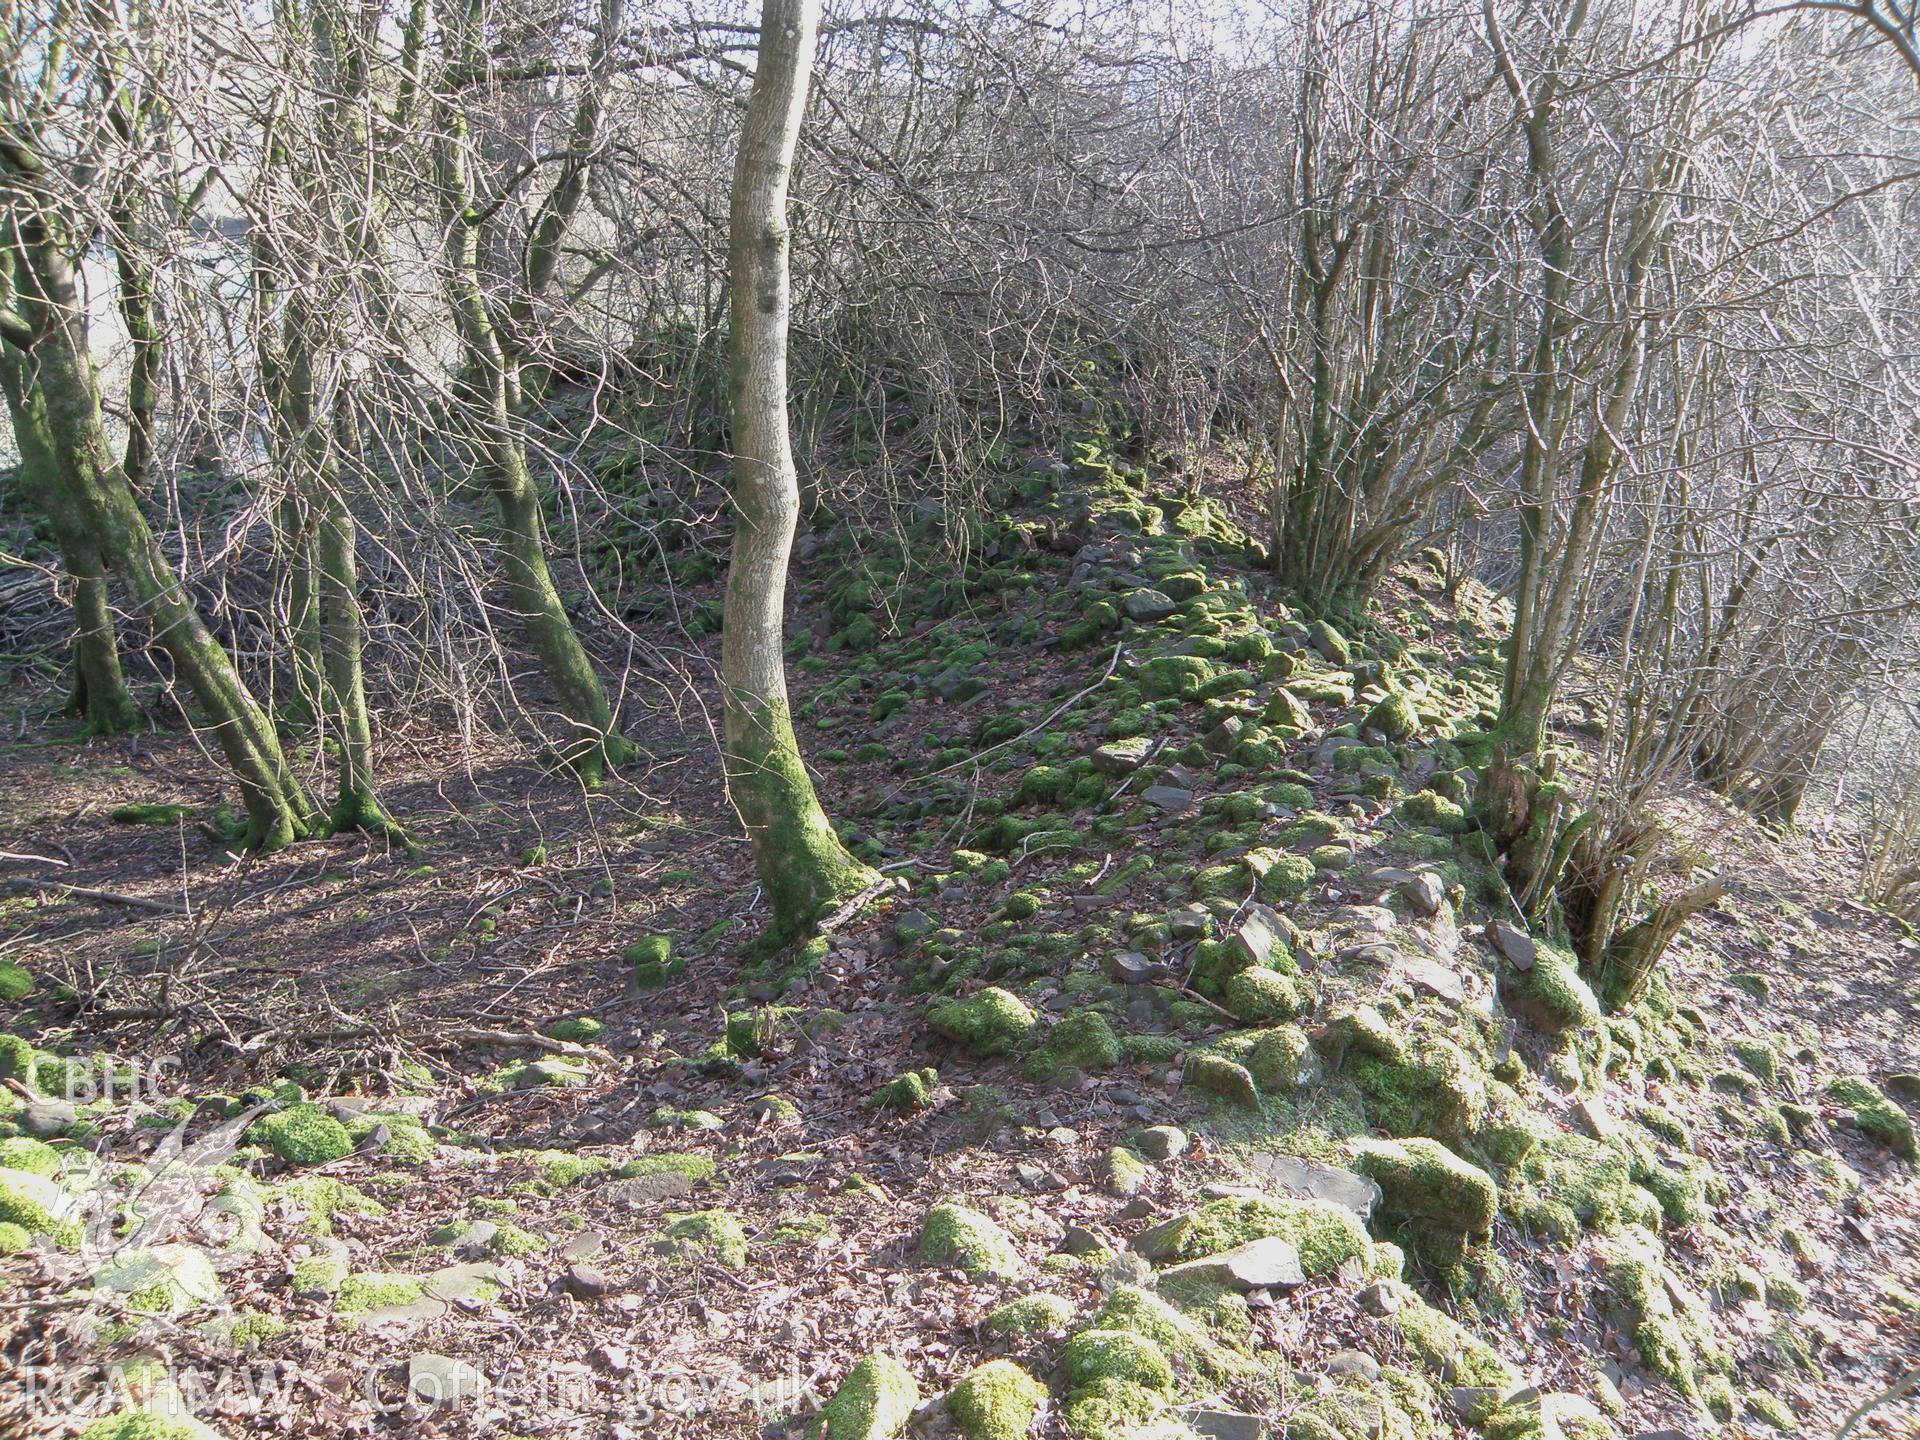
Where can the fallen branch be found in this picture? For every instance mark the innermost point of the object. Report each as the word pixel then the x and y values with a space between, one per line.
pixel 31 859
pixel 854 906
pixel 108 897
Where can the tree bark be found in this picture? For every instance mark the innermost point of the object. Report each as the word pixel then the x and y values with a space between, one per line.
pixel 278 811
pixel 491 390
pixel 99 695
pixel 801 862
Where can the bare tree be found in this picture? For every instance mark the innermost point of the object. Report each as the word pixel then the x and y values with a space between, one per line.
pixel 802 864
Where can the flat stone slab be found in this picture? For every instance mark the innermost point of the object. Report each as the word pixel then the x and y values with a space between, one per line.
pixel 1269 1263
pixel 1434 978
pixel 645 1189
pixel 1310 1180
pixel 1170 798
pixel 437 1379
pixel 1147 606
pixel 1513 943
pixel 1224 1424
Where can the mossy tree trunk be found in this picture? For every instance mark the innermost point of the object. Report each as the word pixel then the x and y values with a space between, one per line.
pixel 489 386
pixel 47 325
pixel 801 862
pixel 99 694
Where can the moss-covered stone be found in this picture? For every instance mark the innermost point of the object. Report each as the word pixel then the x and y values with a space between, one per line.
pixel 321 1197
pixel 1873 1113
pixel 36 1157
pixel 164 1280
pixel 1434 812
pixel 714 1235
pixel 1435 1089
pixel 989 1022
pixel 694 1166
pixel 1568 1182
pixel 1550 996
pixel 1447 1350
pixel 378 1290
pixel 39 1206
pixel 321 1274
pixel 1095 1356
pixel 1217 1075
pixel 1260 996
pixel 907 1093
pixel 1673 1338
pixel 1122 1171
pixel 1395 717
pixel 1280 878
pixel 956 1235
pixel 1183 676
pixel 1031 1315
pixel 1422 1178
pixel 1281 1059
pixel 996 1401
pixel 874 1402
pixel 302 1134
pixel 1326 1236
pixel 1081 1041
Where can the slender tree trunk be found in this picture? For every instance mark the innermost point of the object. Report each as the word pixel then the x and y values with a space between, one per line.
pixel 300 555
pixel 491 387
pixel 99 695
pixel 343 624
pixel 96 487
pixel 801 861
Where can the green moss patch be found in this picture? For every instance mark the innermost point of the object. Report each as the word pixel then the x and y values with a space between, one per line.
pixel 302 1134
pixel 1874 1113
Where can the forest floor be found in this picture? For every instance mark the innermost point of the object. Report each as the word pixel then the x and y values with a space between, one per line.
pixel 584 1205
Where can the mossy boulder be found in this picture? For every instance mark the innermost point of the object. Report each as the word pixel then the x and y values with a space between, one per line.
pixel 652 959
pixel 1674 1337
pixel 1218 1075
pixel 957 1235
pixel 1873 1113
pixel 166 1280
pixel 16 981
pixel 1096 1356
pixel 1549 995
pixel 1432 811
pixel 714 1235
pixel 302 1134
pixel 987 1023
pixel 1395 717
pixel 874 1402
pixel 1280 878
pixel 1082 1041
pixel 1422 1179
pixel 1325 1235
pixel 1183 676
pixel 1260 997
pixel 907 1093
pixel 1281 1059
pixel 1031 1315
pixel 996 1401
